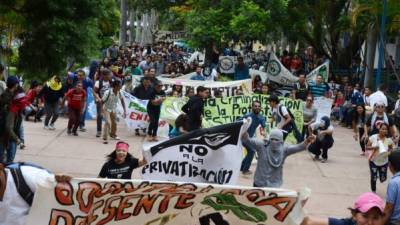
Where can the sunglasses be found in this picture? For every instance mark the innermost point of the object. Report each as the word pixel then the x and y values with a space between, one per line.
pixel 274 139
pixel 380 106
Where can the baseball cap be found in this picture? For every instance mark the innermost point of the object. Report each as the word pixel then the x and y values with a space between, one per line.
pixel 367 201
pixel 122 146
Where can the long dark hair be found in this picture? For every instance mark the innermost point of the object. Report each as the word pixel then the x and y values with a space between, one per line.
pixel 356 116
pixel 113 155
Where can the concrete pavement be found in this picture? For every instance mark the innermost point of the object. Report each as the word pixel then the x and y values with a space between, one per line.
pixel 335 184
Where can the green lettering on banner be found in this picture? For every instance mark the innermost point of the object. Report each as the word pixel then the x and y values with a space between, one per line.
pixel 219 111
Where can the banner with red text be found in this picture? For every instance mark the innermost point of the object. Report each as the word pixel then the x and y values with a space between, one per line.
pixel 128 202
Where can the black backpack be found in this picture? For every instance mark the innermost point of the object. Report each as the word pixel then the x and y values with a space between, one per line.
pixel 22 187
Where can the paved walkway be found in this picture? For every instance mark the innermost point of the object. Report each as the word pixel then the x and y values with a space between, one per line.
pixel 334 185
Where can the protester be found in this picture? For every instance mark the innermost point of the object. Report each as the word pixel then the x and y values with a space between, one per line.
pixel 380 116
pixel 143 92
pixel 377 165
pixel 100 87
pixel 367 209
pixel 324 141
pixel 392 207
pixel 359 120
pixel 241 70
pixel 271 155
pixel 194 108
pixel 301 87
pixel 157 96
pixel 181 126
pixel 86 84
pixel 366 96
pixel 14 207
pixel 199 74
pixel 52 92
pixel 318 88
pixel 257 84
pixel 120 163
pixel 128 85
pixel 309 115
pixel 257 119
pixel 281 116
pixel 110 103
pixel 76 105
pixel 35 107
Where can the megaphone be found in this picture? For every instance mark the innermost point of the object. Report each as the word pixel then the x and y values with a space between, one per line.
pixel 382 157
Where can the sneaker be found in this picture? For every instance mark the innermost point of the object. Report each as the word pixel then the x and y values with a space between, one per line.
pixel 323 160
pixel 247 172
pixel 115 138
pixel 22 146
pixel 316 158
pixel 82 129
pixel 98 134
pixel 69 132
pixel 105 141
pixel 75 133
pixel 46 127
pixel 51 127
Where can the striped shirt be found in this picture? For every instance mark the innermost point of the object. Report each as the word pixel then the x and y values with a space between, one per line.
pixel 318 90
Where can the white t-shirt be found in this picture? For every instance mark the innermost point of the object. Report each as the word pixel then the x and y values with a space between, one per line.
pixel 213 76
pixel 280 119
pixel 375 143
pixel 104 88
pixel 3 86
pixel 317 125
pixel 13 208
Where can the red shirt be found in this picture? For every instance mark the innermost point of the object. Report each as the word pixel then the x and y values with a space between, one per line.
pixel 31 95
pixel 75 99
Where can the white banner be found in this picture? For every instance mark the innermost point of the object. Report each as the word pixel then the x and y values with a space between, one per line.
pixel 127 202
pixel 137 117
pixel 278 73
pixel 228 88
pixel 324 107
pixel 211 155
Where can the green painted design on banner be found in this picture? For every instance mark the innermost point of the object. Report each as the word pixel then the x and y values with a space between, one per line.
pixel 228 202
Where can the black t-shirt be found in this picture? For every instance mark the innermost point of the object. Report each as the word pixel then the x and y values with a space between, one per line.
pixel 379 119
pixel 334 221
pixel 124 170
pixel 153 96
pixel 302 91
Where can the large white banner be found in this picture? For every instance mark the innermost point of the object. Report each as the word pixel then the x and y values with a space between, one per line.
pixel 137 117
pixel 211 155
pixel 135 202
pixel 324 107
pixel 228 88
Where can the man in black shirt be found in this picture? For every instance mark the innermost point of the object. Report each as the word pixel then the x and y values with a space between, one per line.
pixel 377 117
pixel 120 163
pixel 157 96
pixel 194 108
pixel 301 87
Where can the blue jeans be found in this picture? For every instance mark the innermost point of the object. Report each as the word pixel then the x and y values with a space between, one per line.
pixel 246 163
pixel 11 151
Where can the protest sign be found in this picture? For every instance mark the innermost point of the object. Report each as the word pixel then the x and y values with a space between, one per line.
pixel 219 111
pixel 323 106
pixel 227 64
pixel 126 202
pixel 322 70
pixel 137 117
pixel 211 155
pixel 226 88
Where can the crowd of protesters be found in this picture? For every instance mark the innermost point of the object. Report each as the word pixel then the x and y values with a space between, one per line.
pixel 135 69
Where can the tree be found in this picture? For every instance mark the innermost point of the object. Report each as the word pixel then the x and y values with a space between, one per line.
pixel 55 30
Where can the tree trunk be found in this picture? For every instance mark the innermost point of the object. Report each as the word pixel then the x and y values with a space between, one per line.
pixel 138 35
pixel 122 26
pixel 372 39
pixel 132 30
pixel 397 56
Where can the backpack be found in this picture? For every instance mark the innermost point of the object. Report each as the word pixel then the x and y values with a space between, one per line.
pixel 101 86
pixel 291 126
pixel 22 187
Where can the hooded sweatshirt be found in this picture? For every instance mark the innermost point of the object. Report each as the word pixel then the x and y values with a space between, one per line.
pixel 271 156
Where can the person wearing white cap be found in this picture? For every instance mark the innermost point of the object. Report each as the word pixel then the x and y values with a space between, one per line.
pixel 367 210
pixel 271 155
pixel 380 116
